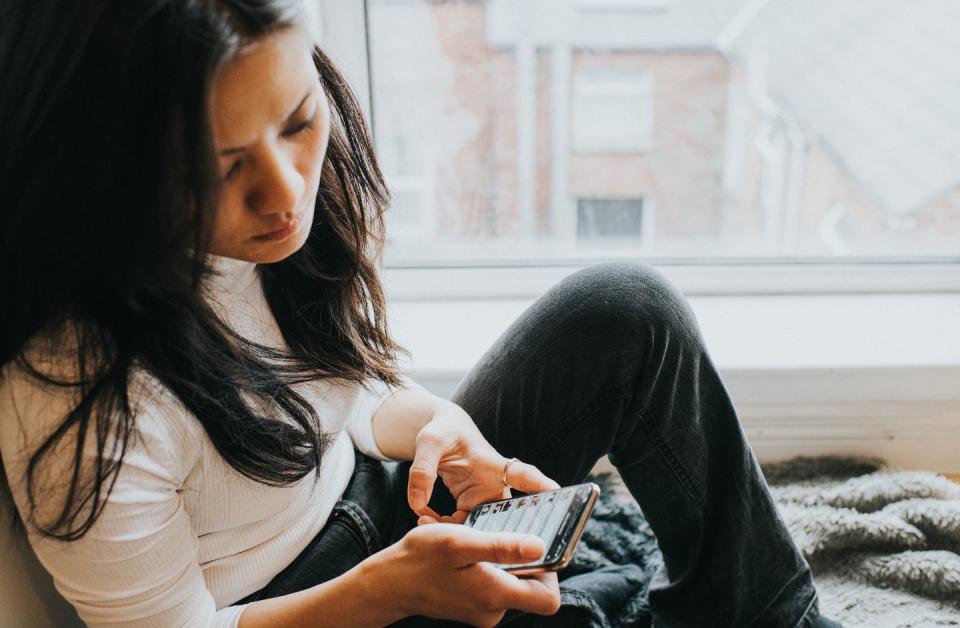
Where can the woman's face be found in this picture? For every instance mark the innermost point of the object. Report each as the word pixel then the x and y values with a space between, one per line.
pixel 270 130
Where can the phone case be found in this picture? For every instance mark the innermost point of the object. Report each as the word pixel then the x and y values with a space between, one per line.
pixel 573 532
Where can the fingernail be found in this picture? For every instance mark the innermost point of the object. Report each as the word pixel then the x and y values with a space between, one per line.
pixel 533 549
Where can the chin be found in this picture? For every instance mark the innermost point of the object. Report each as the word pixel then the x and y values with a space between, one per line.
pixel 279 251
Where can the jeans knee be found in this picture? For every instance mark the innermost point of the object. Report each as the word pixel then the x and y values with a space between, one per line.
pixel 630 295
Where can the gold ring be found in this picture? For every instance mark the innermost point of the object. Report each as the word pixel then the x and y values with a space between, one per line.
pixel 505 467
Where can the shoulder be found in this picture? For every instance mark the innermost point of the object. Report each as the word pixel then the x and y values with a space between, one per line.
pixel 36 399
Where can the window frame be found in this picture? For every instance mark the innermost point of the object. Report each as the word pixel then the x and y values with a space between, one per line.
pixel 344 31
pixel 622 6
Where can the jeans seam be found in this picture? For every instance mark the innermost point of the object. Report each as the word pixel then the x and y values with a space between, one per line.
pixel 353 511
pixel 814 601
pixel 666 453
pixel 776 597
pixel 673 462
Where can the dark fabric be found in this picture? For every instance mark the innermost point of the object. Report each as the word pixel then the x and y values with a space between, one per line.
pixel 610 361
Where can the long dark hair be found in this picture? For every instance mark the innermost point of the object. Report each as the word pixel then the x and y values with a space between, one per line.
pixel 108 184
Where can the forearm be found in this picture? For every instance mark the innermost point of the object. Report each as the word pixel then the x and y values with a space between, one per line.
pixel 357 598
pixel 401 416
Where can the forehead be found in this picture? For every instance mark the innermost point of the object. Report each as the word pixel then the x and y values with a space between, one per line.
pixel 260 84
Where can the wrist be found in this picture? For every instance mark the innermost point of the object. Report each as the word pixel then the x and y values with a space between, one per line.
pixel 448 411
pixel 399 419
pixel 382 586
pixel 367 596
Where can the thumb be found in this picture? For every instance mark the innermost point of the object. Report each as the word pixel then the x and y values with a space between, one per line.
pixel 423 473
pixel 470 546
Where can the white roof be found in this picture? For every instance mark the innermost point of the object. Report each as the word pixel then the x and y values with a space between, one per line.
pixel 876 81
pixel 610 24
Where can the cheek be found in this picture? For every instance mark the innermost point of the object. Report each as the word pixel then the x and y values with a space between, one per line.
pixel 314 156
pixel 317 147
pixel 229 214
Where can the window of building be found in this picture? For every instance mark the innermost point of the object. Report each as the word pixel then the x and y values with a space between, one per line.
pixel 610 218
pixel 613 112
pixel 712 108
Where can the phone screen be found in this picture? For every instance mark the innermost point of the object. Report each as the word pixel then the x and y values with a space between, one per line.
pixel 555 516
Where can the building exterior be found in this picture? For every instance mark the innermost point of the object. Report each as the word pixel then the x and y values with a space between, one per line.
pixel 667 128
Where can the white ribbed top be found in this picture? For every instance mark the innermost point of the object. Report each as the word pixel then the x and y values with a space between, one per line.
pixel 183 535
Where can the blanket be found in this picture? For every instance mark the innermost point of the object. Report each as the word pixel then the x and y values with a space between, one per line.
pixel 883 543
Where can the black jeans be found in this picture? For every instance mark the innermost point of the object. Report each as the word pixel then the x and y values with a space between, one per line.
pixel 609 361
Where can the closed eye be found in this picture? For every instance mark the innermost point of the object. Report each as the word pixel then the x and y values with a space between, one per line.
pixel 300 128
pixel 233 170
pixel 296 130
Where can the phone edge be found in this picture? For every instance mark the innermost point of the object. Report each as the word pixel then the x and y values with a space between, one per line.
pixel 568 552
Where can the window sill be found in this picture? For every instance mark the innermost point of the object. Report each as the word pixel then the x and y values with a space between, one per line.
pixel 871 374
pixel 475 277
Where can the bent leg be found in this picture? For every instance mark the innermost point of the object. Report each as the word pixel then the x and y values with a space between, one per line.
pixel 610 361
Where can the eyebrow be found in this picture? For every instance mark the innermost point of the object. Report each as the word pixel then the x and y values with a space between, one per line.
pixel 238 149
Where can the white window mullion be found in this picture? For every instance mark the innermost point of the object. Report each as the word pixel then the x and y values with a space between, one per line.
pixel 563 220
pixel 526 68
pixel 343 36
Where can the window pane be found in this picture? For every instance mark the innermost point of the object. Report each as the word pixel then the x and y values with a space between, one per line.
pixel 604 218
pixel 542 129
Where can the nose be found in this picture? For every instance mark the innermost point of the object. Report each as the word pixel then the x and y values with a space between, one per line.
pixel 279 186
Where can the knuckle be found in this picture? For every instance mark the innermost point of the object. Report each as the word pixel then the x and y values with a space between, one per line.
pixel 412 541
pixel 420 466
pixel 553 605
pixel 448 545
pixel 523 471
pixel 502 550
pixel 495 601
pixel 424 538
pixel 427 436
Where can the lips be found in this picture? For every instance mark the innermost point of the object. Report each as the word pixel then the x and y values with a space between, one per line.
pixel 282 232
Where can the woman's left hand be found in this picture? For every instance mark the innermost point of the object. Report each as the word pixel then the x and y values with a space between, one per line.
pixel 451 446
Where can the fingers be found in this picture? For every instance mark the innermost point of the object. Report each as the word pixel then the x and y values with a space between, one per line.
pixel 540 595
pixel 458 517
pixel 467 546
pixel 423 474
pixel 428 512
pixel 529 479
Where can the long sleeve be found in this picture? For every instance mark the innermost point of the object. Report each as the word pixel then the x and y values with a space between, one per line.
pixel 138 563
pixel 368 400
pixel 183 535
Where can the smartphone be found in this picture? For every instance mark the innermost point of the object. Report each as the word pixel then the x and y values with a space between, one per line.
pixel 558 517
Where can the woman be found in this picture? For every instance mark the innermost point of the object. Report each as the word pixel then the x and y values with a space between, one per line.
pixel 195 341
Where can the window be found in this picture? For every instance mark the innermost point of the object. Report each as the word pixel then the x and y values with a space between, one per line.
pixel 778 160
pixel 763 142
pixel 624 222
pixel 613 112
pixel 408 163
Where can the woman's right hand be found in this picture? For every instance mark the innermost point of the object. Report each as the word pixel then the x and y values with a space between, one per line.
pixel 443 570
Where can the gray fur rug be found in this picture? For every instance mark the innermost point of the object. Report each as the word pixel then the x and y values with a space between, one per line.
pixel 884 544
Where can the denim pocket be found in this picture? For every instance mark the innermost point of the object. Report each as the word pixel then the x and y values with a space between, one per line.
pixel 350 516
